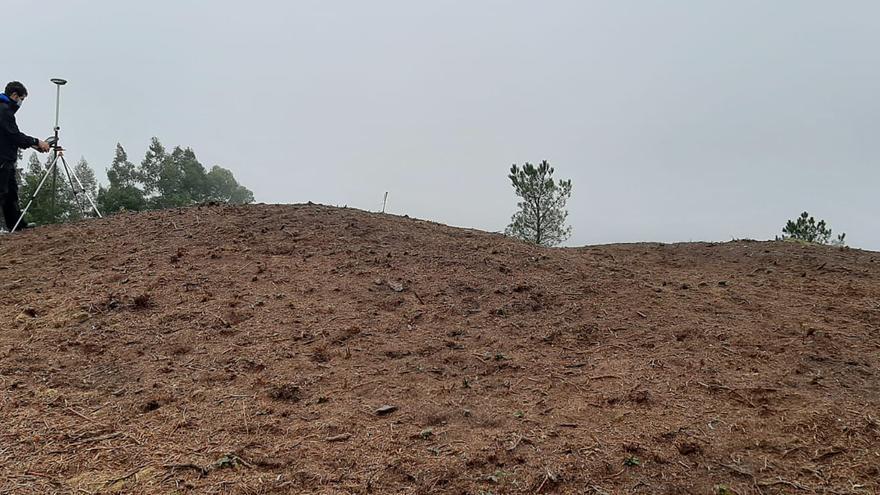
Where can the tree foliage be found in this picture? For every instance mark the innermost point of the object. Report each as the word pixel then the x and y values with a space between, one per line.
pixel 161 180
pixel 179 179
pixel 122 193
pixel 80 205
pixel 223 188
pixel 151 168
pixel 182 180
pixel 805 228
pixel 542 213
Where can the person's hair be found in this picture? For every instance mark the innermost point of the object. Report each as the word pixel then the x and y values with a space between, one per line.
pixel 17 88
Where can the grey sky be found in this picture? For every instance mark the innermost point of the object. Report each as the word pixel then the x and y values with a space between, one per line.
pixel 676 120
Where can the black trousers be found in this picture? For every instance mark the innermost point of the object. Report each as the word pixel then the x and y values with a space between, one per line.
pixel 9 194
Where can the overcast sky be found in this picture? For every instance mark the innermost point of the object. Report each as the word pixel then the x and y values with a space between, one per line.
pixel 675 120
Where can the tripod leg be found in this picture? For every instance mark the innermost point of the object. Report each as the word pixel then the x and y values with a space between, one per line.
pixel 54 194
pixel 67 172
pixel 81 187
pixel 76 199
pixel 34 195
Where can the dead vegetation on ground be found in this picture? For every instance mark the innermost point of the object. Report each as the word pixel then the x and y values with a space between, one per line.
pixel 310 349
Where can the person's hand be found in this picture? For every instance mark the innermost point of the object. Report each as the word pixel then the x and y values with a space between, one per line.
pixel 42 146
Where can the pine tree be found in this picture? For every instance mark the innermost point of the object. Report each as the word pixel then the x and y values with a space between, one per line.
pixel 150 169
pixel 806 229
pixel 542 214
pixel 122 172
pixel 122 194
pixel 80 205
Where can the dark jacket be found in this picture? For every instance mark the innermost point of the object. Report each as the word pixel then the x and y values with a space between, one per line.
pixel 11 139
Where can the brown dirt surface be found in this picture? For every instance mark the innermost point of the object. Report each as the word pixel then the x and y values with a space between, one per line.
pixel 311 349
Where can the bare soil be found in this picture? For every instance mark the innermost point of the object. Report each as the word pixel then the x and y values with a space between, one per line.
pixel 310 349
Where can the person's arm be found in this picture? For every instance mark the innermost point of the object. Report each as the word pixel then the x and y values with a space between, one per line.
pixel 10 128
pixel 22 140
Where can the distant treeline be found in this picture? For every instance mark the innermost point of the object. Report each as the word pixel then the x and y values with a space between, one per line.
pixel 162 180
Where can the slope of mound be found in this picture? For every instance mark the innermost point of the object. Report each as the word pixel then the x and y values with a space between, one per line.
pixel 309 349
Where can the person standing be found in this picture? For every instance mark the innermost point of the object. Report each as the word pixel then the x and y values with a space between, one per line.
pixel 12 140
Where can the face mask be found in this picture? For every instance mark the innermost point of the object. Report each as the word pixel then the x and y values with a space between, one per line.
pixel 19 101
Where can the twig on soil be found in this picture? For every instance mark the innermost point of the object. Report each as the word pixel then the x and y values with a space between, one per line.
pixel 743 398
pixel 516 441
pixel 359 385
pixel 575 385
pixel 97 439
pixel 831 453
pixel 548 476
pixel 615 475
pixel 418 297
pixel 133 439
pixel 95 449
pixel 221 320
pixel 83 416
pixel 602 377
pixel 541 486
pixel 131 473
pixel 339 438
pixel 780 481
pixel 202 471
pixel 789 451
pixel 252 397
pixel 738 470
pixel 714 386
